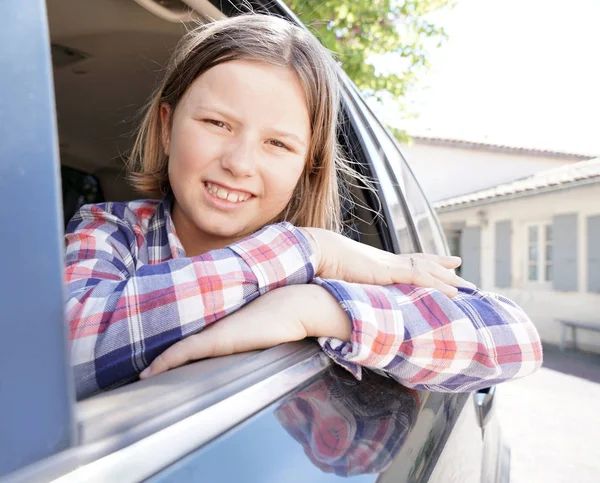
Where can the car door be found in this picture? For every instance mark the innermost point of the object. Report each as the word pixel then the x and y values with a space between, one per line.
pixel 268 415
pixel 36 413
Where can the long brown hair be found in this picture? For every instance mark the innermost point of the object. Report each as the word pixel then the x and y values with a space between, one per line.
pixel 316 200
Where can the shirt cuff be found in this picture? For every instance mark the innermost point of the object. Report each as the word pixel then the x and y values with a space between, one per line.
pixel 377 326
pixel 278 255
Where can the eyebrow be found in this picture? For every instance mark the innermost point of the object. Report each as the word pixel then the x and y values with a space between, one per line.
pixel 229 115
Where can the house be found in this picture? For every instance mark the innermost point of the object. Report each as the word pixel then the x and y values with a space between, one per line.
pixel 537 241
pixel 447 167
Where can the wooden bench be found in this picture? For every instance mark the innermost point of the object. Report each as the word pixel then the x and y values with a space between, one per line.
pixel 574 325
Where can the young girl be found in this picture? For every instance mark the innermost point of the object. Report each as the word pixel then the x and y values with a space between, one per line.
pixel 239 143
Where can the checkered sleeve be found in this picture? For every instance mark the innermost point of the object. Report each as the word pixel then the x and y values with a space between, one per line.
pixel 425 340
pixel 123 313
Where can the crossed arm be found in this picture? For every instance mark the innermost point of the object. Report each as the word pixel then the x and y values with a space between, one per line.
pixel 125 311
pixel 418 336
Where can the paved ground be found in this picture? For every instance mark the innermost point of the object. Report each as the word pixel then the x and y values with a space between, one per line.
pixel 552 420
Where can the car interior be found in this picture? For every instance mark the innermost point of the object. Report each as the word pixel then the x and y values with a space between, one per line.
pixel 106 57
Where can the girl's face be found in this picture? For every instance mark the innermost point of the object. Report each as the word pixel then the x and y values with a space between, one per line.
pixel 237 144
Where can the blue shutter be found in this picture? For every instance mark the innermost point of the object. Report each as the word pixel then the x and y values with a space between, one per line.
pixel 470 251
pixel 564 276
pixel 593 253
pixel 503 254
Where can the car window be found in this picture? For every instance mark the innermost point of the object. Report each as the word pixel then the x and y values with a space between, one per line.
pixel 425 221
pixel 393 204
pixel 428 226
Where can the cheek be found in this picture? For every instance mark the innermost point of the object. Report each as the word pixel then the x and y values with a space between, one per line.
pixel 190 152
pixel 280 183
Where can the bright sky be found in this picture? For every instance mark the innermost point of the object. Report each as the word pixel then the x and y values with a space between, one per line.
pixel 517 72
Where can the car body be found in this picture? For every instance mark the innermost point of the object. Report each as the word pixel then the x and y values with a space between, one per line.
pixel 285 414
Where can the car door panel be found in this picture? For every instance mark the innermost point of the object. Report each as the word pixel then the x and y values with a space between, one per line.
pixel 34 342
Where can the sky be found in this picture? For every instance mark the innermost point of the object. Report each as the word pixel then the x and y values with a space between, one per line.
pixel 523 73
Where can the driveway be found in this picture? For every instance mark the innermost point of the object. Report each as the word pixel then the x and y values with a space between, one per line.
pixel 552 420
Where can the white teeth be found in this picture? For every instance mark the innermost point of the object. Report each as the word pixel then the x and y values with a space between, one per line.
pixel 226 195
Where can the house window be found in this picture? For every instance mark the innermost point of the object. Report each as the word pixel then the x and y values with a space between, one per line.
pixel 453 238
pixel 548 254
pixel 539 252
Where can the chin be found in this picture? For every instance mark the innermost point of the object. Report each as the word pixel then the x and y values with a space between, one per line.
pixel 225 229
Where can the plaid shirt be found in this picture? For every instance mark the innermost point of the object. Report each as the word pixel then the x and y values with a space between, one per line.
pixel 132 293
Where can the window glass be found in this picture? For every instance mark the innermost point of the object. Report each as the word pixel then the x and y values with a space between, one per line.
pixel 548 251
pixel 394 203
pixel 532 258
pixel 426 223
pixel 539 253
pixel 533 230
pixel 453 238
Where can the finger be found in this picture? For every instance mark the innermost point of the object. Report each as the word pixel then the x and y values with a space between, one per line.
pixel 465 283
pixel 443 260
pixel 176 355
pixel 427 280
pixel 448 276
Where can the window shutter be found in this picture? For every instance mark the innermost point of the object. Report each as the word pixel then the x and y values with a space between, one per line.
pixel 470 250
pixel 565 252
pixel 593 253
pixel 503 254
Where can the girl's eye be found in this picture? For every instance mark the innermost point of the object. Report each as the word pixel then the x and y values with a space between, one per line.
pixel 216 123
pixel 279 144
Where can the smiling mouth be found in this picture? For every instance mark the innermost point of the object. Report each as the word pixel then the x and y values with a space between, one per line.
pixel 226 195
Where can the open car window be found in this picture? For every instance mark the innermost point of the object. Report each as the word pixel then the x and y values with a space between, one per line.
pixel 425 225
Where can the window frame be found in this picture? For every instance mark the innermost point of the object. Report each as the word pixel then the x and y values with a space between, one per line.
pixel 31 273
pixel 389 147
pixel 383 169
pixel 541 262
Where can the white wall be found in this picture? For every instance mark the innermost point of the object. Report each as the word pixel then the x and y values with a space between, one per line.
pixel 444 171
pixel 542 304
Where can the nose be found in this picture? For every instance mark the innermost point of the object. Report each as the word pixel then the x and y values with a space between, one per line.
pixel 240 158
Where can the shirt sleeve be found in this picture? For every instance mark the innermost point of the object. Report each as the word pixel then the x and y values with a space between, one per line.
pixel 426 340
pixel 122 313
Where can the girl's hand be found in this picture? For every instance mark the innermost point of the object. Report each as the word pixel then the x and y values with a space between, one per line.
pixel 341 258
pixel 285 314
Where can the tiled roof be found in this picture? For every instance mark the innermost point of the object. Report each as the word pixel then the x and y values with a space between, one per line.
pixel 499 148
pixel 581 172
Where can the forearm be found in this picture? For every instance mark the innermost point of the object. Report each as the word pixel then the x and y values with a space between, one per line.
pixel 320 313
pixel 283 315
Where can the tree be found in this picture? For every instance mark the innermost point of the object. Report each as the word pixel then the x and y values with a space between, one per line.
pixel 358 31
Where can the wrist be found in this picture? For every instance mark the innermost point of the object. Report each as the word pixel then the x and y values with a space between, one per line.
pixel 320 313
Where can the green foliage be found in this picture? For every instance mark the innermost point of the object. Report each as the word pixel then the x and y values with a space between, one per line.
pixel 358 30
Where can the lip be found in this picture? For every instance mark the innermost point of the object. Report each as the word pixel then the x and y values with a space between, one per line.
pixel 228 188
pixel 224 205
